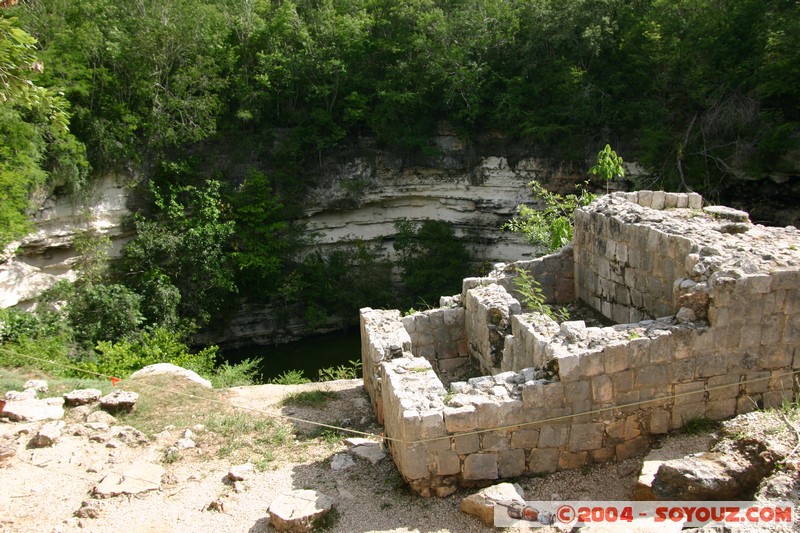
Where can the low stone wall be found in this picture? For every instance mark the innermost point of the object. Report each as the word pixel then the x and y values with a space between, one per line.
pixel 439 336
pixel 560 396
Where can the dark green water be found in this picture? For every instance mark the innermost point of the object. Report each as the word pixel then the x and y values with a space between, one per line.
pixel 309 354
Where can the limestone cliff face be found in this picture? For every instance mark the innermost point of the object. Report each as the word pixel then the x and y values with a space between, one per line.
pixel 360 198
pixel 46 255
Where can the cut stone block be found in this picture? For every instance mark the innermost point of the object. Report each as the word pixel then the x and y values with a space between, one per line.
pixel 299 510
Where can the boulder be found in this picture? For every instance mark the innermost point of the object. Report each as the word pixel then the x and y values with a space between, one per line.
pixel 34 410
pixel 728 475
pixel 298 510
pixel 134 478
pixel 39 385
pixel 119 402
pixel 170 369
pixel 82 397
pixel 17 396
pixel 482 503
pixel 48 434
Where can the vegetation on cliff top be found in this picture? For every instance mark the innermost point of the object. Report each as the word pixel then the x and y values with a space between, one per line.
pixel 695 90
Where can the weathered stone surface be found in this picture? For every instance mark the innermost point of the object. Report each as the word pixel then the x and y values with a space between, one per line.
pixel 134 478
pixel 39 385
pixel 48 434
pixel 8 449
pixel 480 466
pixel 712 475
pixel 482 503
pixel 372 452
pixel 17 396
pixel 100 417
pixel 90 509
pixel 240 472
pixel 119 402
pixel 34 410
pixel 173 370
pixel 298 510
pixel 342 461
pixel 82 397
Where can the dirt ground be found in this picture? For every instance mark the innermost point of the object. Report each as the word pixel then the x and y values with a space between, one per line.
pixel 42 488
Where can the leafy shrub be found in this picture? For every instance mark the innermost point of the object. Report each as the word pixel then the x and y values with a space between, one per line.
pixel 15 324
pixel 235 375
pixel 333 373
pixel 290 377
pixel 99 312
pixel 533 297
pixel 552 226
pixel 160 345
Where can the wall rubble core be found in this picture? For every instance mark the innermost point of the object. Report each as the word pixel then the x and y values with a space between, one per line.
pixel 707 307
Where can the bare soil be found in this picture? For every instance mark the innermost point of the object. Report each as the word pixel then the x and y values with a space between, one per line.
pixel 42 488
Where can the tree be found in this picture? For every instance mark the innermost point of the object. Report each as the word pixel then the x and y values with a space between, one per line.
pixel 18 63
pixel 608 166
pixel 186 243
pixel 37 148
pixel 432 259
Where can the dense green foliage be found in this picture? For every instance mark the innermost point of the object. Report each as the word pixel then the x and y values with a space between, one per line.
pixel 432 259
pixel 699 88
pixel 551 225
pixel 694 90
pixel 36 149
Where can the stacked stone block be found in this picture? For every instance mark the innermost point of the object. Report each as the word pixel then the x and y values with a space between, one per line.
pixel 488 321
pixel 564 395
pixel 554 272
pixel 439 335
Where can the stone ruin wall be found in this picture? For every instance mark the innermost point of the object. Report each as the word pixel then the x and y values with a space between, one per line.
pixel 711 312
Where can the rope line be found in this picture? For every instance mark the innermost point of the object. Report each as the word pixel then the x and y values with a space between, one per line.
pixel 381 437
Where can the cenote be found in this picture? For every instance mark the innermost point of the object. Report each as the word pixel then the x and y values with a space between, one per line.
pixel 309 354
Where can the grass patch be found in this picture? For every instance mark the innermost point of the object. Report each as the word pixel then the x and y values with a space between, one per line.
pixel 311 398
pixel 249 437
pixel 166 401
pixel 14 379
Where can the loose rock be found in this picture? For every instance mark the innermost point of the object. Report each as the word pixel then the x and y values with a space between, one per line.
pixel 714 475
pixel 482 503
pixel 17 396
pixel 134 478
pixel 119 401
pixel 342 461
pixel 48 434
pixel 89 509
pixel 240 472
pixel 298 510
pixel 174 370
pixel 82 397
pixel 100 417
pixel 34 410
pixel 39 385
pixel 372 452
